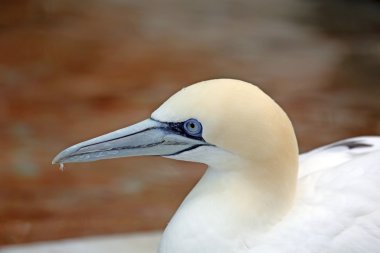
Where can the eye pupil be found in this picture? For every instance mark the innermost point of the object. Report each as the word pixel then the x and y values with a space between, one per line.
pixel 193 127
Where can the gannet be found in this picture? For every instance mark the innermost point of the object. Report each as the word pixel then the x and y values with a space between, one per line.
pixel 257 194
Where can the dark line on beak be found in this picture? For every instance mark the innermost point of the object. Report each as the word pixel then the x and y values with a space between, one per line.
pixel 139 146
pixel 118 149
pixel 188 149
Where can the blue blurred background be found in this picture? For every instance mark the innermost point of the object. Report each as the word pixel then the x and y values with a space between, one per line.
pixel 71 70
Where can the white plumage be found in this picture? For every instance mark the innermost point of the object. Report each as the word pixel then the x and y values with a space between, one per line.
pixel 257 194
pixel 337 208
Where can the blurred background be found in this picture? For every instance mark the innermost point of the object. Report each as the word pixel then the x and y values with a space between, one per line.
pixel 71 70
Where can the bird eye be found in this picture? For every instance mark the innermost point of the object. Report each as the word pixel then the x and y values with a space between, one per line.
pixel 193 127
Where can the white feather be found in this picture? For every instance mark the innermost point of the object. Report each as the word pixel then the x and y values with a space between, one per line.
pixel 258 194
pixel 337 208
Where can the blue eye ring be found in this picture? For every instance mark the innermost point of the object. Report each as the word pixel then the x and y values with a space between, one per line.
pixel 193 127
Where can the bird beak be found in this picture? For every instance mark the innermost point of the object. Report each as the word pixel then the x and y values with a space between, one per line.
pixel 149 137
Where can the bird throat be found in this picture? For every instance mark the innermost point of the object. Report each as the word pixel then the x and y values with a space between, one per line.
pixel 224 207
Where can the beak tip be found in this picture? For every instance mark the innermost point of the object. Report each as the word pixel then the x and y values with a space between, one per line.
pixel 54 161
pixel 63 155
pixel 57 159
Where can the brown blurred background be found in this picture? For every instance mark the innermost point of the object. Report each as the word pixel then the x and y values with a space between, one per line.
pixel 71 70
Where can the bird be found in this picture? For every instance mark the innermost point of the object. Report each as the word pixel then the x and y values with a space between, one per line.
pixel 258 193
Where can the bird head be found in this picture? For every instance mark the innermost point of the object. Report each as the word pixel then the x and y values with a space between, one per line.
pixel 216 122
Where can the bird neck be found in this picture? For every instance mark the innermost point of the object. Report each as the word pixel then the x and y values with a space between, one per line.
pixel 226 204
pixel 261 194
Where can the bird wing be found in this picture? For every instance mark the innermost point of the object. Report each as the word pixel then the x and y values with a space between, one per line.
pixel 337 208
pixel 337 153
